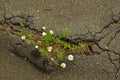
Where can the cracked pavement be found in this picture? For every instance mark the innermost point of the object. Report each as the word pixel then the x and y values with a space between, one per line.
pixel 96 21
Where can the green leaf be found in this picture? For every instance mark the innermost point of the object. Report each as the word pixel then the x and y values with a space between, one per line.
pixel 29 36
pixel 64 32
pixel 60 54
pixel 48 38
pixel 22 24
pixel 57 40
pixel 43 52
pixel 81 44
pixel 73 47
pixel 21 32
pixel 56 62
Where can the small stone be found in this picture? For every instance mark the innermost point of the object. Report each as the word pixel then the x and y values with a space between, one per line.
pixel 106 47
pixel 52 59
pixel 44 28
pixel 38 10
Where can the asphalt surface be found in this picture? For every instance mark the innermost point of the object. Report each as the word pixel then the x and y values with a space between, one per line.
pixel 95 21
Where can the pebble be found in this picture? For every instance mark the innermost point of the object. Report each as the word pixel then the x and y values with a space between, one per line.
pixel 38 10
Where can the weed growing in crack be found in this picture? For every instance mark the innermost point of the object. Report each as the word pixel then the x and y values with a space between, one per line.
pixel 52 47
pixel 22 24
pixel 81 44
pixel 64 32
pixel 43 52
pixel 21 32
pixel 60 54
pixel 30 38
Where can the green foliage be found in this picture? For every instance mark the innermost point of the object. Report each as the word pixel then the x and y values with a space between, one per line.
pixel 73 47
pixel 64 32
pixel 22 24
pixel 69 46
pixel 21 32
pixel 56 62
pixel 60 54
pixel 65 45
pixel 30 38
pixel 81 44
pixel 57 40
pixel 48 38
pixel 43 52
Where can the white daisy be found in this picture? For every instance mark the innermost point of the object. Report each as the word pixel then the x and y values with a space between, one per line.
pixel 44 28
pixel 51 32
pixel 49 49
pixel 63 65
pixel 36 46
pixel 70 57
pixel 44 34
pixel 23 37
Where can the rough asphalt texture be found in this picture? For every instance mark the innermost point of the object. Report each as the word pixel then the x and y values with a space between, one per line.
pixel 95 21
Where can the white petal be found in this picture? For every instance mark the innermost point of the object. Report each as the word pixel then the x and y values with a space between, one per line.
pixel 44 34
pixel 51 32
pixel 23 37
pixel 70 57
pixel 36 46
pixel 63 65
pixel 49 49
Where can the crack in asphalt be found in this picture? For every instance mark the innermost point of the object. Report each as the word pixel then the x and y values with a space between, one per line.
pixel 117 32
pixel 94 41
pixel 27 22
pixel 117 68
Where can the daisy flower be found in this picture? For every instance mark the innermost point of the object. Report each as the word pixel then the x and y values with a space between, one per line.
pixel 36 46
pixel 49 49
pixel 51 32
pixel 44 34
pixel 63 65
pixel 70 57
pixel 23 37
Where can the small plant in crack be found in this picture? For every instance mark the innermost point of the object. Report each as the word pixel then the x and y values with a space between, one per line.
pixel 81 44
pixel 43 52
pixel 22 24
pixel 29 38
pixel 53 48
pixel 64 32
